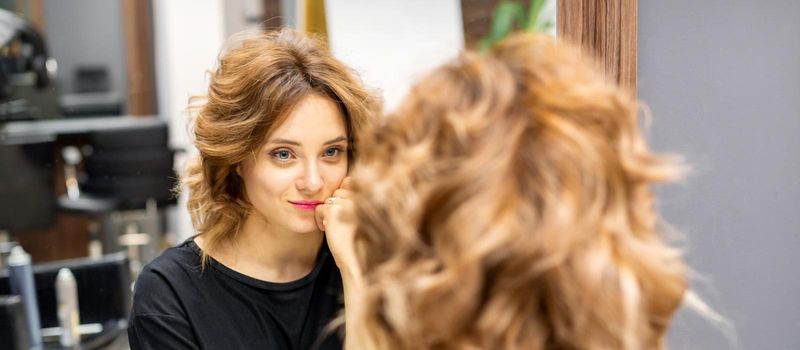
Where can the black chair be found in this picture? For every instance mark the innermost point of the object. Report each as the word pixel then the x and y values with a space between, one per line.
pixel 13 330
pixel 126 170
pixel 93 95
pixel 130 165
pixel 104 297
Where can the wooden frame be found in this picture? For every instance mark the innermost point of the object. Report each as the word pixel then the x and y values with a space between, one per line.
pixel 36 8
pixel 138 28
pixel 273 17
pixel 608 30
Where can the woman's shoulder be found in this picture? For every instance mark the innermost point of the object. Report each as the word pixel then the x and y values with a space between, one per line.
pixel 170 268
pixel 177 259
pixel 160 282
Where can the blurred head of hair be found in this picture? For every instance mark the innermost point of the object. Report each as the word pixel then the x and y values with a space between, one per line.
pixel 507 205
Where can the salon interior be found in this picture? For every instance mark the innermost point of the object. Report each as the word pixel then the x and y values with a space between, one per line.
pixel 93 137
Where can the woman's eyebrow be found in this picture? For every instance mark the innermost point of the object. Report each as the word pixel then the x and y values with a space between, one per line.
pixel 340 138
pixel 295 143
pixel 285 141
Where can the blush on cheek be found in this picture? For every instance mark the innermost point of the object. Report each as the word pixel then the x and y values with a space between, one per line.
pixel 334 176
pixel 277 179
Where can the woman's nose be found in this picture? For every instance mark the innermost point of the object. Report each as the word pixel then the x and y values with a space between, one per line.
pixel 310 181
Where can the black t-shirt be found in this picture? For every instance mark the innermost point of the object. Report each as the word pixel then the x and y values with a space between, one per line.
pixel 176 305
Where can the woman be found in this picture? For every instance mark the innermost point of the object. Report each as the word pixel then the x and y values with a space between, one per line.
pixel 276 136
pixel 506 205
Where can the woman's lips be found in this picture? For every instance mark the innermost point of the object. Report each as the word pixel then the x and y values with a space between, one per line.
pixel 306 205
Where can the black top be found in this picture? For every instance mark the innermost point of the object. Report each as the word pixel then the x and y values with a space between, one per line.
pixel 176 305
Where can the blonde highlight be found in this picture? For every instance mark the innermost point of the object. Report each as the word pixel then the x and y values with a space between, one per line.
pixel 259 79
pixel 506 205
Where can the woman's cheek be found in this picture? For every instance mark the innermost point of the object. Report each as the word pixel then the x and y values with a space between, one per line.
pixel 335 174
pixel 277 179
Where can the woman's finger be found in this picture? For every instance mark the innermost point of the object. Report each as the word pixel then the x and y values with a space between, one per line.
pixel 342 194
pixel 347 183
pixel 320 214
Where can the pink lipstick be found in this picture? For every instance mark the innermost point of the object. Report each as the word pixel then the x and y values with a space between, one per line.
pixel 306 205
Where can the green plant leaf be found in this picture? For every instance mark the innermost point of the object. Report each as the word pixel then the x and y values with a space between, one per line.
pixel 505 15
pixel 534 11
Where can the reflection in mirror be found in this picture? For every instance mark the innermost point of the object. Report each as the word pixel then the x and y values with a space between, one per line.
pixel 87 185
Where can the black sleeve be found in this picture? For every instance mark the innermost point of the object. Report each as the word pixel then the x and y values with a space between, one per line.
pixel 157 320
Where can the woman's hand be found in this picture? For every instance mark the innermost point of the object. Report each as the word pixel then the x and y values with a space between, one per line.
pixel 337 218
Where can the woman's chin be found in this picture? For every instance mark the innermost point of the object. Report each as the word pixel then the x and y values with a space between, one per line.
pixel 301 226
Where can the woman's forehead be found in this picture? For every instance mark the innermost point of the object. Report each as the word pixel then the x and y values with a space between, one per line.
pixel 315 119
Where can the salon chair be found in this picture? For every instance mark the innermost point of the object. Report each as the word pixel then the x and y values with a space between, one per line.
pixel 13 332
pixel 126 175
pixel 93 95
pixel 104 298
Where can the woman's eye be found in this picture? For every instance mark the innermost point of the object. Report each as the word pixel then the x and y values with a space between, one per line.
pixel 332 152
pixel 282 154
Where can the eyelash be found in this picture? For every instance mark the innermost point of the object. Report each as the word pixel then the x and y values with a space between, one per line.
pixel 338 150
pixel 274 154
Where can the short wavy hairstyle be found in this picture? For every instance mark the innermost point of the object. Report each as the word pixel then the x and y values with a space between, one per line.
pixel 259 79
pixel 507 205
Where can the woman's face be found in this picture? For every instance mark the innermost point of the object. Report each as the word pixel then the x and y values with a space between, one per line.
pixel 302 162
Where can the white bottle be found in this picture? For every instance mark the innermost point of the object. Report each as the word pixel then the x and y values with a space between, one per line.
pixel 67 301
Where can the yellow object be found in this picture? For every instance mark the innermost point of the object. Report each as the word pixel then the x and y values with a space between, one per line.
pixel 315 22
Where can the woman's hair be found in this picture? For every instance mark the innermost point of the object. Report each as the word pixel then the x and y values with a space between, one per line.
pixel 506 205
pixel 256 85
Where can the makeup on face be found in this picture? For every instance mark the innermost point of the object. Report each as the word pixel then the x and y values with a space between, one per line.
pixel 306 205
pixel 300 165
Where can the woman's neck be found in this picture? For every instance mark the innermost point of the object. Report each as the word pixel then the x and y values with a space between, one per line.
pixel 266 252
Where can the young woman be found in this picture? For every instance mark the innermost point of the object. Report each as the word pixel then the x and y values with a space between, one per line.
pixel 276 134
pixel 506 205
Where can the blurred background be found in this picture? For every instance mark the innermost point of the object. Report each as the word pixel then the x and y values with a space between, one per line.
pixel 93 130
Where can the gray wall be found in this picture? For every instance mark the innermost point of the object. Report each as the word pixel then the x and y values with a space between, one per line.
pixel 722 78
pixel 86 32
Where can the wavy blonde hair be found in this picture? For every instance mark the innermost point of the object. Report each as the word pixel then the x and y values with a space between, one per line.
pixel 506 205
pixel 258 81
